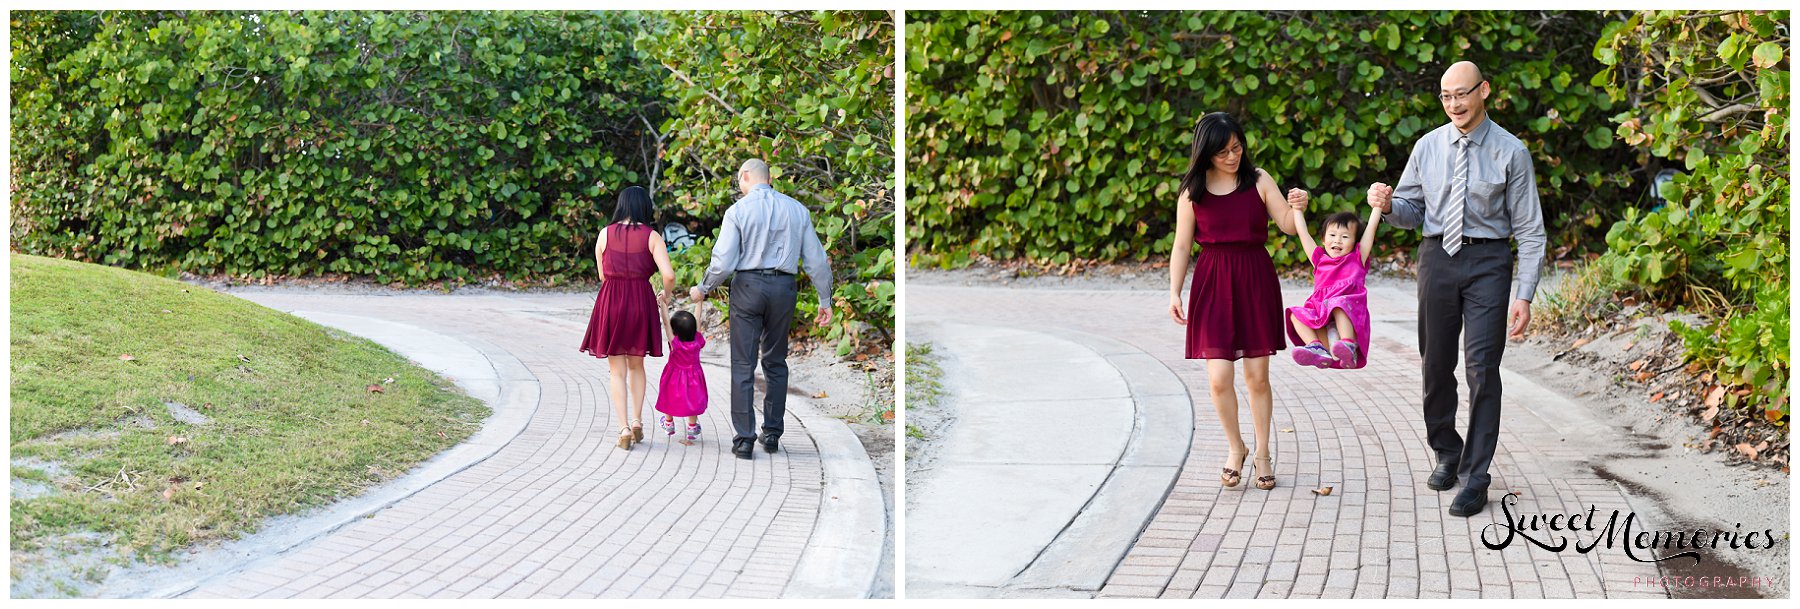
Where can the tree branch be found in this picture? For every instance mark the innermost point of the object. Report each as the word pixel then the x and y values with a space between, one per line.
pixel 1721 114
pixel 690 83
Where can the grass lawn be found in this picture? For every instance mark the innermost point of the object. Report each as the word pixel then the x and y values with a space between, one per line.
pixel 109 447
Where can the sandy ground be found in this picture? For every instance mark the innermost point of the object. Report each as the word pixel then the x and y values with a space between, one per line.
pixel 1661 460
pixel 931 416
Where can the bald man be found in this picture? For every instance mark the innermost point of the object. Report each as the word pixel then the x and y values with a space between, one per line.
pixel 764 240
pixel 1469 188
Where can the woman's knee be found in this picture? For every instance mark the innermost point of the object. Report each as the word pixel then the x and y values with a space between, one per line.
pixel 1256 381
pixel 1220 385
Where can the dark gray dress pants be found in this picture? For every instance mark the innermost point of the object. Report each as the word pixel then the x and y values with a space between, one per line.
pixel 762 311
pixel 1466 292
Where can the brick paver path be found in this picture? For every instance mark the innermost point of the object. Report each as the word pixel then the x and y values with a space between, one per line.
pixel 560 511
pixel 1381 533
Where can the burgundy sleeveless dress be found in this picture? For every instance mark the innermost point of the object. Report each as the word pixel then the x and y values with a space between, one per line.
pixel 625 320
pixel 1234 305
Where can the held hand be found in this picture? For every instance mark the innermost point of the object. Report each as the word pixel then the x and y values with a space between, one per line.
pixel 696 295
pixel 1381 196
pixel 824 318
pixel 1297 199
pixel 1175 309
pixel 1520 317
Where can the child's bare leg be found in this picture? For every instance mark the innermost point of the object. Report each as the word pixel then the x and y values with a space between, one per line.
pixel 1345 330
pixel 1306 332
pixel 693 420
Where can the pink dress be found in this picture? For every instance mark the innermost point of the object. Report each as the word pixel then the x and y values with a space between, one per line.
pixel 682 391
pixel 1337 284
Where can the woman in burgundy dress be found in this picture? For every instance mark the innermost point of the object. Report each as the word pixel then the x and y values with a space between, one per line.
pixel 626 326
pixel 1234 309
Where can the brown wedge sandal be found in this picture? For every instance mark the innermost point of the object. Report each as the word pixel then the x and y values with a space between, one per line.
pixel 1267 481
pixel 1231 477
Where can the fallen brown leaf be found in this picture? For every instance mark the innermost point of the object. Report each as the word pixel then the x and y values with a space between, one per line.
pixel 1322 491
pixel 127 358
pixel 173 440
pixel 1657 397
pixel 169 494
pixel 441 435
pixel 1711 411
pixel 821 395
pixel 376 389
pixel 1628 346
pixel 1747 450
pixel 1715 396
pixel 1642 376
pixel 1580 342
pixel 887 416
pixel 1635 366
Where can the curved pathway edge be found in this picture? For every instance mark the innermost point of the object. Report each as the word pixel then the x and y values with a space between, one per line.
pixel 1086 552
pixel 483 370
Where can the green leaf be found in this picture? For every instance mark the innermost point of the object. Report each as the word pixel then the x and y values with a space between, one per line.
pixel 1767 55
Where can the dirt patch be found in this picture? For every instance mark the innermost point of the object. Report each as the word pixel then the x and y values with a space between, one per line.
pixel 929 410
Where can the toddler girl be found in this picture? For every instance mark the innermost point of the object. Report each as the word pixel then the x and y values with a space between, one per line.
pixel 682 391
pixel 1339 301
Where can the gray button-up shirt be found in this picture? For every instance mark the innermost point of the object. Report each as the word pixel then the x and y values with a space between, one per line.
pixel 768 230
pixel 1503 197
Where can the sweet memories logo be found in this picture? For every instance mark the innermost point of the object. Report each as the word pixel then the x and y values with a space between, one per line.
pixel 1560 532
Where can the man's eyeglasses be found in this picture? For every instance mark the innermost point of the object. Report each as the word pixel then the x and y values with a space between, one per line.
pixel 1446 98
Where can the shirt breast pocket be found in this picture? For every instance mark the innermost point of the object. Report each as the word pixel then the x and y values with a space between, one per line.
pixel 1488 197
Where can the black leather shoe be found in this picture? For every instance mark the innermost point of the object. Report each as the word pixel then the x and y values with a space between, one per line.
pixel 741 447
pixel 771 443
pixel 1469 502
pixel 1442 478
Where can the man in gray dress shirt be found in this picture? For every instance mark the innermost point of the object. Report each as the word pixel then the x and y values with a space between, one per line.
pixel 765 238
pixel 1469 187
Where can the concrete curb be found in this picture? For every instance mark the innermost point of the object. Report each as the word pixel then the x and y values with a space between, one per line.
pixel 842 555
pixel 483 370
pixel 1083 555
pixel 1079 553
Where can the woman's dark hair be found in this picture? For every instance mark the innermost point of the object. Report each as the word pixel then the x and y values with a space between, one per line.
pixel 1211 136
pixel 634 206
pixel 1347 219
pixel 683 325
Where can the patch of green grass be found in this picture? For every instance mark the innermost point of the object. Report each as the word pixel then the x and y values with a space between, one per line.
pixel 1587 294
pixel 292 423
pixel 924 385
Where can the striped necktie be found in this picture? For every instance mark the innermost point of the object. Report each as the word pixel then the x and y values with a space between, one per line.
pixel 1459 198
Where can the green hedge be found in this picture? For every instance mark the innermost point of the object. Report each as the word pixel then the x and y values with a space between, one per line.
pixel 1059 135
pixel 441 146
pixel 1710 92
pixel 404 146
pixel 812 93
